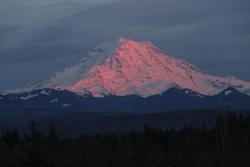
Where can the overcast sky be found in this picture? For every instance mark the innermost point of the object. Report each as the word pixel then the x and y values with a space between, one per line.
pixel 38 38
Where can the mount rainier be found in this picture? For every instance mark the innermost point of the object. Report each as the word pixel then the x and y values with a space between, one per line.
pixel 126 67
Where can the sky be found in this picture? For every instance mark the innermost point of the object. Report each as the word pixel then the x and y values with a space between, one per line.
pixel 38 38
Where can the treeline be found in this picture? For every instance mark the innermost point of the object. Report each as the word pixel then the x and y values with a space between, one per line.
pixel 227 144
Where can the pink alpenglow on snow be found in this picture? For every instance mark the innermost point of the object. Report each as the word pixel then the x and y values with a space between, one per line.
pixel 126 67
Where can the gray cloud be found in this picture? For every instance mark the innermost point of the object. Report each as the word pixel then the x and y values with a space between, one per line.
pixel 213 35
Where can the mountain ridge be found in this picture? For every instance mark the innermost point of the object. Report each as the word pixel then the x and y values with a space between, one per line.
pixel 171 100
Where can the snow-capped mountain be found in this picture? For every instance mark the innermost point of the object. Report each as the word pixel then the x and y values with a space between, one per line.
pixel 126 67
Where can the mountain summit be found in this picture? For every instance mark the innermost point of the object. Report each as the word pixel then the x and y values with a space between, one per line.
pixel 126 67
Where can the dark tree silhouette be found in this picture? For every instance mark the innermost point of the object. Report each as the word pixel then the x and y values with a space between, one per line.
pixel 226 144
